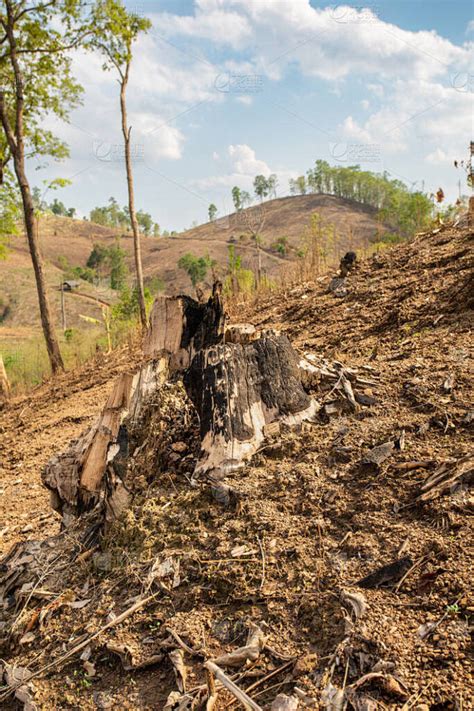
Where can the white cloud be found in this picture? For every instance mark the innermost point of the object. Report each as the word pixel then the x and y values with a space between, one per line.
pixel 330 43
pixel 438 157
pixel 243 166
pixel 244 99
pixel 365 104
pixel 245 161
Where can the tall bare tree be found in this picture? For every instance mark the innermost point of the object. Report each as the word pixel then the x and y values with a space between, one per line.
pixel 116 30
pixel 35 81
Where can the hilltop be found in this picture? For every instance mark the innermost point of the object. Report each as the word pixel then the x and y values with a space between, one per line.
pixel 63 238
pixel 313 519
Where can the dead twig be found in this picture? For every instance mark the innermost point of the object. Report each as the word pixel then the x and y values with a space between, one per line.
pixel 77 648
pixel 230 686
pixel 211 691
pixel 416 564
pixel 264 562
pixel 183 645
pixel 264 679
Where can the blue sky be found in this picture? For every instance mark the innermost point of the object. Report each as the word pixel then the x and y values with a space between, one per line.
pixel 224 89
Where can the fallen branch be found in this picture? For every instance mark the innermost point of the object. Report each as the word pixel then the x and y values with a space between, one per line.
pixel 70 653
pixel 182 643
pixel 233 688
pixel 249 652
pixel 261 681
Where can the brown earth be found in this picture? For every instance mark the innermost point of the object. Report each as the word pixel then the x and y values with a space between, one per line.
pixel 73 239
pixel 312 521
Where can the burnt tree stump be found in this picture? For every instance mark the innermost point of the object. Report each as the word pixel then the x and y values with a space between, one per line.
pixel 239 389
pixel 89 469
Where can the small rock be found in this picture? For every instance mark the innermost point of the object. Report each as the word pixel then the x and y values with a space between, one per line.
pixel 179 447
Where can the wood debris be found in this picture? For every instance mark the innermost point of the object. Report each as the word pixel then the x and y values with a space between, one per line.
pixel 447 475
pixel 390 573
pixel 249 652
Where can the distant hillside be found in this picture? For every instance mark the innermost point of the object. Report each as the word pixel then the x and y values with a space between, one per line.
pixel 65 238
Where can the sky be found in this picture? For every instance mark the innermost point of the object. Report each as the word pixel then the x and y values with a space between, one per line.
pixel 221 90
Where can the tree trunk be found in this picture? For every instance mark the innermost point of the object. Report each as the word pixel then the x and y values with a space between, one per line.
pixel 4 384
pixel 16 143
pixel 87 469
pixel 52 344
pixel 238 388
pixel 131 199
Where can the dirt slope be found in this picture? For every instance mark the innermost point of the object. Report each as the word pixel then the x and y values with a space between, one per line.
pixel 73 239
pixel 313 520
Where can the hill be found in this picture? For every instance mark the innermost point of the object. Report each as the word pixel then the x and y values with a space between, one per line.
pixel 62 238
pixel 311 523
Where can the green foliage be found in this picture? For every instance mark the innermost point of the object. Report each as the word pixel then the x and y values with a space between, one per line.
pixel 245 198
pixel 58 208
pixel 145 222
pixel 281 246
pixel 78 272
pixel 212 212
pixel 298 185
pixel 112 215
pixel 41 30
pixel 116 30
pixel 118 268
pixel 195 267
pixel 98 257
pixel 128 308
pixel 403 210
pixel 237 198
pixel 9 211
pixel 155 285
pixel 264 187
pixel 238 279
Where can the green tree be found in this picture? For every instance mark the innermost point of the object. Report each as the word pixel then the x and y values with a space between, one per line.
pixel 156 230
pixel 145 221
pixel 36 82
pixel 98 258
pixel 10 211
pixel 260 186
pixel 118 268
pixel 264 187
pixel 298 185
pixel 58 208
pixel 237 198
pixel 238 279
pixel 195 267
pixel 212 212
pixel 116 31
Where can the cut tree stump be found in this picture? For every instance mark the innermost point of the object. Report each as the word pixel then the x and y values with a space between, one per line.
pixel 180 327
pixel 76 478
pixel 238 389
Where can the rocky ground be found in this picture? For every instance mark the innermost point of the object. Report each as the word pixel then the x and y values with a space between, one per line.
pixel 315 515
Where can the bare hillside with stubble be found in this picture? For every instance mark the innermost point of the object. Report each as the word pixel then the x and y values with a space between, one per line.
pixel 338 568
